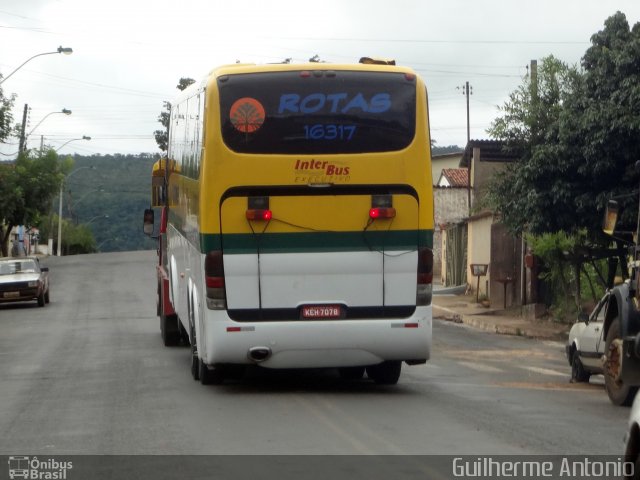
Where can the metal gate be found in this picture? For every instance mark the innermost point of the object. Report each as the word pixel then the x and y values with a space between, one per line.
pixel 456 255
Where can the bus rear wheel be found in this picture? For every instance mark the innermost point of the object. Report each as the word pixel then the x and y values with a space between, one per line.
pixel 195 365
pixel 210 376
pixel 385 373
pixel 169 330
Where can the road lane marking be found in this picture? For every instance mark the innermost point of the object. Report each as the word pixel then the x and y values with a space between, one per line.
pixel 366 431
pixel 587 387
pixel 545 371
pixel 329 422
pixel 481 367
pixel 500 353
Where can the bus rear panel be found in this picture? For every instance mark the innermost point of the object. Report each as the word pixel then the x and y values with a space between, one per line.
pixel 314 216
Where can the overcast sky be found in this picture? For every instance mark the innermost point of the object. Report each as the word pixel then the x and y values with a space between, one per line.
pixel 129 54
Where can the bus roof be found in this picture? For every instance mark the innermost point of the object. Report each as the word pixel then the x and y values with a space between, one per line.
pixel 239 68
pixel 158 169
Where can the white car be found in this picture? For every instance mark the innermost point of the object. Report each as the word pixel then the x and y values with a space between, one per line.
pixel 585 345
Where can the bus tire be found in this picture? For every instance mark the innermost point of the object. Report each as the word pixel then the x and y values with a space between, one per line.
pixel 195 365
pixel 184 336
pixel 210 376
pixel 619 392
pixel 385 373
pixel 351 373
pixel 169 330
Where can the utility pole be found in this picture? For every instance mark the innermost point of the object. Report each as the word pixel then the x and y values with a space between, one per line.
pixel 24 128
pixel 467 90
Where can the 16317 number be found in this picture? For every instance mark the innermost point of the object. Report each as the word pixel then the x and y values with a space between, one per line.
pixel 329 132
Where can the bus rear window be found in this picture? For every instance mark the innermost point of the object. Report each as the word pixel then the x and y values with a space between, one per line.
pixel 317 112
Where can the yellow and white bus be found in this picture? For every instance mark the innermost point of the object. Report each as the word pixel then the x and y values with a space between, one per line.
pixel 300 219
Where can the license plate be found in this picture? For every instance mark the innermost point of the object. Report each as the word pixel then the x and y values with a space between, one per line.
pixel 321 311
pixel 11 294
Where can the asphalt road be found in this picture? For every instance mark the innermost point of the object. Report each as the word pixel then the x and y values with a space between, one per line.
pixel 88 374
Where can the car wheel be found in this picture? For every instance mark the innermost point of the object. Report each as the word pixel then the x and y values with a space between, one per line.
pixel 385 373
pixel 619 393
pixel 578 373
pixel 41 300
pixel 46 297
pixel 351 373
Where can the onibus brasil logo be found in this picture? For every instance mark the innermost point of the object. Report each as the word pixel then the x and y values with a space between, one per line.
pixel 33 468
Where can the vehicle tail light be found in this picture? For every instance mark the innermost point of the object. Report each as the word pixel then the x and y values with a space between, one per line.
pixel 382 207
pixel 255 214
pixel 425 276
pixel 382 213
pixel 214 279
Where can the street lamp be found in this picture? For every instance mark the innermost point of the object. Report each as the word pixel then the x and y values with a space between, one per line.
pixel 66 51
pixel 94 218
pixel 60 207
pixel 64 110
pixel 84 137
pixel 105 241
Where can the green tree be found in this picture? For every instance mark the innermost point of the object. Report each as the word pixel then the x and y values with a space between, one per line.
pixel 162 135
pixel 601 120
pixel 76 239
pixel 577 133
pixel 26 190
pixel 542 180
pixel 6 117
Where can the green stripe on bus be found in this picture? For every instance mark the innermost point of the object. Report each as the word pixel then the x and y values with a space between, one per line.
pixel 318 241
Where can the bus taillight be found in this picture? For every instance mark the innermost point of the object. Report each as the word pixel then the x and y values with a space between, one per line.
pixel 214 278
pixel 259 214
pixel 389 212
pixel 425 276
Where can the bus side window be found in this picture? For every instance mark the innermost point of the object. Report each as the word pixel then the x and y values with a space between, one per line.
pixel 158 192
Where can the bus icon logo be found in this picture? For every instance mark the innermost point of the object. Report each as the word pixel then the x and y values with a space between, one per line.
pixel 18 467
pixel 247 115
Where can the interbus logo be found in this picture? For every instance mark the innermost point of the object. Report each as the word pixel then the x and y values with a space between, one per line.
pixel 322 167
pixel 247 115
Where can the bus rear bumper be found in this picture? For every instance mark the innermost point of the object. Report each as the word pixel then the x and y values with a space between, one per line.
pixel 317 344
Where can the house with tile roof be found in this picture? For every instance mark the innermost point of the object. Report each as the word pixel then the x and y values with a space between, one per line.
pixel 475 236
pixel 454 177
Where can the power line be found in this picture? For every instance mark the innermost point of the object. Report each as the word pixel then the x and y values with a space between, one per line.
pixel 463 42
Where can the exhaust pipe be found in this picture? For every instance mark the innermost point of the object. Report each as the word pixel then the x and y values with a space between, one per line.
pixel 259 354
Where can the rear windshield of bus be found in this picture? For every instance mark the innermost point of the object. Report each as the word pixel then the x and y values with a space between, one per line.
pixel 317 112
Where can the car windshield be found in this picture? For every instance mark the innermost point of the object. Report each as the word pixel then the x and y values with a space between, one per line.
pixel 17 266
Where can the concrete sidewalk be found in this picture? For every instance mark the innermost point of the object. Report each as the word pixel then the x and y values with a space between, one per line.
pixel 464 309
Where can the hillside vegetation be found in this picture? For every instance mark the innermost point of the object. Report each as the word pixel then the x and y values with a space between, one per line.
pixel 109 193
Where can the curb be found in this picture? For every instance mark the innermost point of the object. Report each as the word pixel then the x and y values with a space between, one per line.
pixel 516 328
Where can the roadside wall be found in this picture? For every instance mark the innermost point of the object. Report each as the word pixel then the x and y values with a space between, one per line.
pixel 450 206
